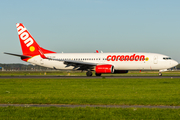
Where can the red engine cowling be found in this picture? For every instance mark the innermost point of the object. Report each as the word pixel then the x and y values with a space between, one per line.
pixel 104 69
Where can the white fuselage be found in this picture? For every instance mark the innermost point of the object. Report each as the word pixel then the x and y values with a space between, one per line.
pixel 151 61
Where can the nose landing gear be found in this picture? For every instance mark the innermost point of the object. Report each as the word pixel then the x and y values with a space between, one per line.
pixel 160 74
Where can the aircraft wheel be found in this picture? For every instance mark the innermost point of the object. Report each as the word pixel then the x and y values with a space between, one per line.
pixel 89 73
pixel 160 74
pixel 98 74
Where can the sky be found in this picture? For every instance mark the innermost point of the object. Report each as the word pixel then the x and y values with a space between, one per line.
pixel 84 26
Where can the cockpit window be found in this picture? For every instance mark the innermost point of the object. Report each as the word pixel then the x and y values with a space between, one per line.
pixel 166 58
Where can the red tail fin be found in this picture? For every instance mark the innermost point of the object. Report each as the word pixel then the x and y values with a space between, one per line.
pixel 28 44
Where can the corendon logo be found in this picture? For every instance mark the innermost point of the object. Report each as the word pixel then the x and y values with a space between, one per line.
pixel 24 35
pixel 133 57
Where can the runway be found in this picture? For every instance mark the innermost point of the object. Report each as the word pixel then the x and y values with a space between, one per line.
pixel 84 77
pixel 83 106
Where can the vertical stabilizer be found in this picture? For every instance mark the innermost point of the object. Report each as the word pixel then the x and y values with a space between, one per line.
pixel 28 44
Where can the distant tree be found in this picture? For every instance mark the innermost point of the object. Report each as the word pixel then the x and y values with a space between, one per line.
pixel 23 67
pixel 178 66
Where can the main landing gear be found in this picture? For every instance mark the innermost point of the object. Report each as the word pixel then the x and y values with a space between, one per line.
pixel 98 74
pixel 89 73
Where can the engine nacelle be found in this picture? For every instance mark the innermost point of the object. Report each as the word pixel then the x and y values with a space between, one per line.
pixel 104 69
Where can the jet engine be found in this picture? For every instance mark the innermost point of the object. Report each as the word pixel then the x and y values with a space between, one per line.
pixel 104 69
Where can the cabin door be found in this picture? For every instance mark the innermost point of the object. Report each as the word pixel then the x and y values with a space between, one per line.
pixel 155 59
pixel 42 61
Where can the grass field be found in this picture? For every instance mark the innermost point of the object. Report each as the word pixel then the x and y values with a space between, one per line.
pixel 78 73
pixel 11 113
pixel 91 91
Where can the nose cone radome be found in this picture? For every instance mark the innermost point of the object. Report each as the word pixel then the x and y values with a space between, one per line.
pixel 174 63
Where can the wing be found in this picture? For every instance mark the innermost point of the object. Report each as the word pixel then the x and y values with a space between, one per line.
pixel 79 65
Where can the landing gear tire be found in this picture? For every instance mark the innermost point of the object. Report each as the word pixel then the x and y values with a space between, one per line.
pixel 89 73
pixel 98 74
pixel 160 74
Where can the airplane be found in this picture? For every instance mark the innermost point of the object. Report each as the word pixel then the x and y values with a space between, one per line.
pixel 99 62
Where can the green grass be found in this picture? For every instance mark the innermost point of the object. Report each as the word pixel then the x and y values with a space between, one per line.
pixel 11 113
pixel 91 91
pixel 78 73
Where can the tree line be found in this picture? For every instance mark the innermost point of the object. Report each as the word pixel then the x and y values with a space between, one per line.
pixel 17 67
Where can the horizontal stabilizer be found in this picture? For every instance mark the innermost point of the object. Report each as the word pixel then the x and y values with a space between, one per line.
pixel 25 56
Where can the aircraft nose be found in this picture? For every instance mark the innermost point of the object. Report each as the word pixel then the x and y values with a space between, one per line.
pixel 174 63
